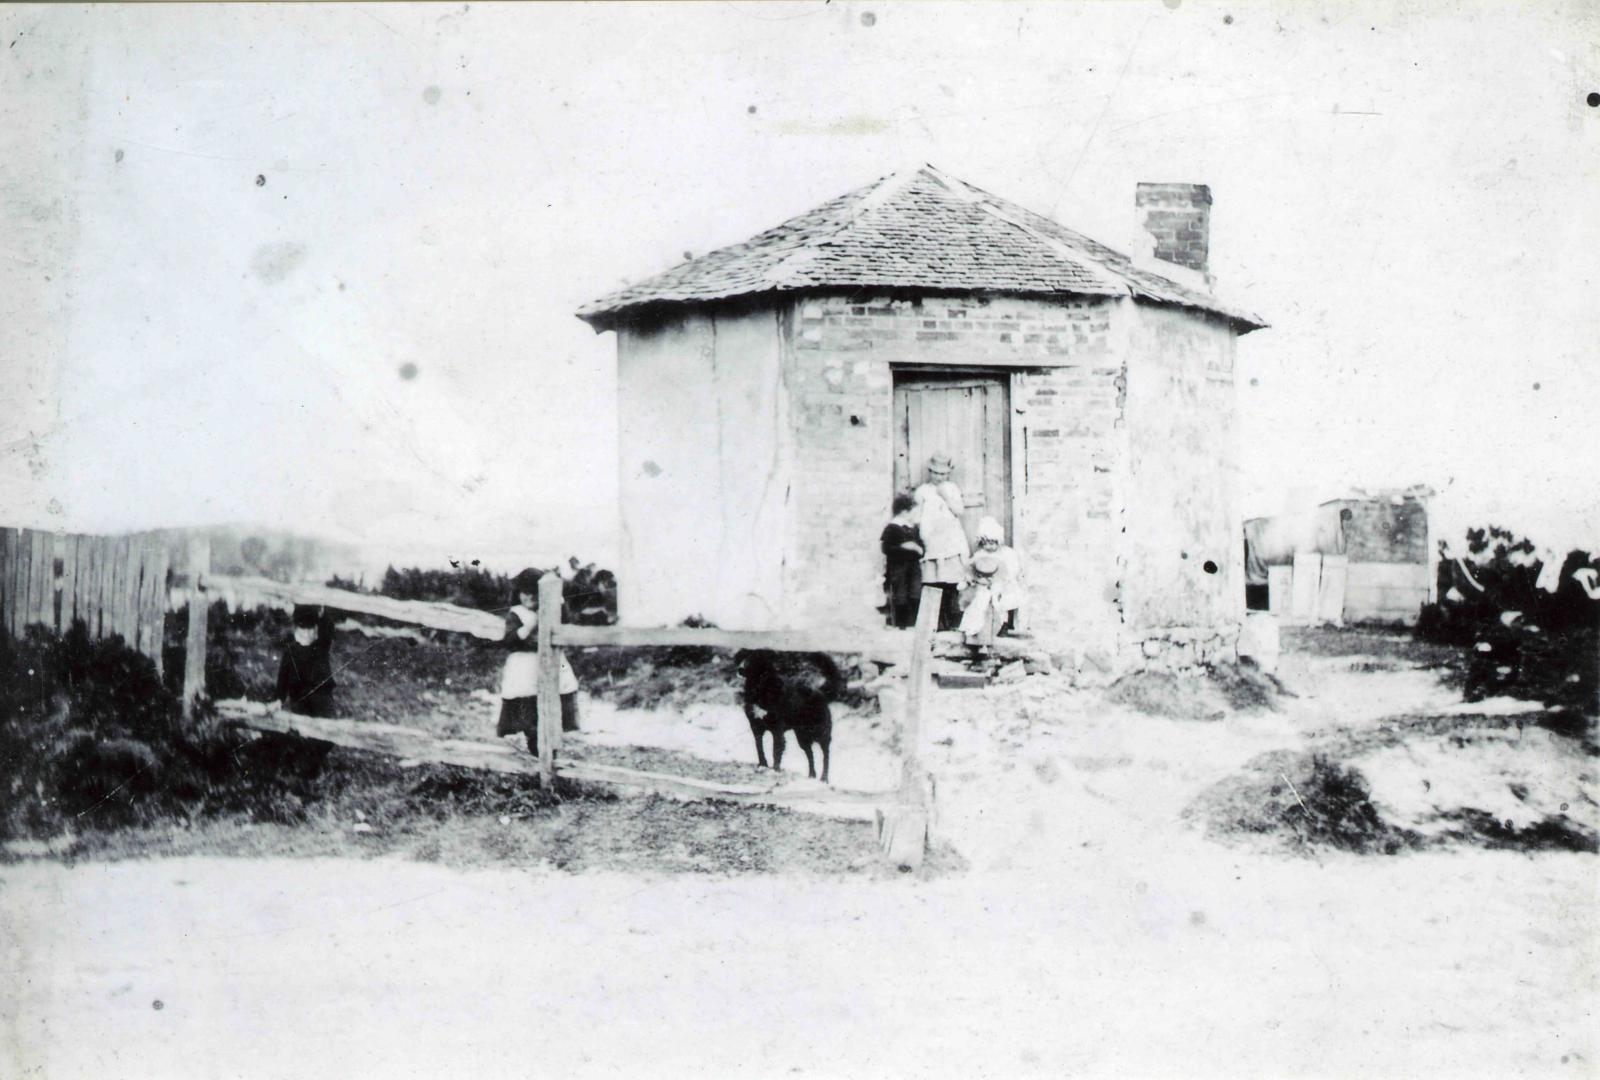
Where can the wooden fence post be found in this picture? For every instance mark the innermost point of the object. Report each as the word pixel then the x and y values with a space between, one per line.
pixel 903 829
pixel 916 683
pixel 194 646
pixel 549 677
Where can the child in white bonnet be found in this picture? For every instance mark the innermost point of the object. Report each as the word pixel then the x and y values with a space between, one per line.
pixel 995 585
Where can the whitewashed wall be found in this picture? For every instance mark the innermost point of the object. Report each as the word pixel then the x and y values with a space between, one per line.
pixel 704 470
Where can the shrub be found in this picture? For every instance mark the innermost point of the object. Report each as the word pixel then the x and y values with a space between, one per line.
pixel 90 735
pixel 1547 652
pixel 588 596
pixel 91 739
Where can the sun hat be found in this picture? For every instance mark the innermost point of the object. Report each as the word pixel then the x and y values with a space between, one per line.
pixel 985 564
pixel 989 529
pixel 941 465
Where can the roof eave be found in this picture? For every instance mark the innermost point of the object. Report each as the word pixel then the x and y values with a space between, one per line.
pixel 604 315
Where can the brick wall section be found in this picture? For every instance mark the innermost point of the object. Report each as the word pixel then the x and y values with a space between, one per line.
pixel 1381 531
pixel 1178 216
pixel 1070 527
pixel 838 370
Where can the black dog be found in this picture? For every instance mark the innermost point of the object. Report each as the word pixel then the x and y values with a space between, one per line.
pixel 790 692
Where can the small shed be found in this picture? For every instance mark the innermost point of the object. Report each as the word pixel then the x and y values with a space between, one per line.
pixel 774 395
pixel 1365 557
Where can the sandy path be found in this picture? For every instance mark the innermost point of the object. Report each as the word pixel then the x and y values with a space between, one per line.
pixel 1094 936
pixel 1201 965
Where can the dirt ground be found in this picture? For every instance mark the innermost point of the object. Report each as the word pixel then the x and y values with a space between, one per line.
pixel 1094 919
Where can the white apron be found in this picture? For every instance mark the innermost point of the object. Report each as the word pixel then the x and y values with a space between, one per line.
pixel 521 678
pixel 978 619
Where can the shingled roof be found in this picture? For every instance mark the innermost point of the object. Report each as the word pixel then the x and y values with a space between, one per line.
pixel 920 230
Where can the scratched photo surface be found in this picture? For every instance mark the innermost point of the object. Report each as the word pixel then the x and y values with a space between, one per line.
pixel 834 538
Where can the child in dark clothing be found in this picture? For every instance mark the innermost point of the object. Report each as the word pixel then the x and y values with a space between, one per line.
pixel 305 677
pixel 902 557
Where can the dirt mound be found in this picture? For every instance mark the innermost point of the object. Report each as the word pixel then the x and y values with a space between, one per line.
pixel 1302 801
pixel 1413 783
pixel 1224 688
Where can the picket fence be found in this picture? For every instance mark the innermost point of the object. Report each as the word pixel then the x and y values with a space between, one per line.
pixel 115 585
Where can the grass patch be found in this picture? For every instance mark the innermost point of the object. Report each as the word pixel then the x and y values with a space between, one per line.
pixel 1365 644
pixel 98 762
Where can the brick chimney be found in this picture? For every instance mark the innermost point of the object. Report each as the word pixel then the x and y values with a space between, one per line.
pixel 1178 217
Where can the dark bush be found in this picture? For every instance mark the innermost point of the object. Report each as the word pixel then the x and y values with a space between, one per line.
pixel 1548 834
pixel 1524 641
pixel 90 738
pixel 89 735
pixel 468 586
pixel 588 595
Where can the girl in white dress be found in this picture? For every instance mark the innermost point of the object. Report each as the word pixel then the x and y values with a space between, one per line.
pixel 519 685
pixel 944 541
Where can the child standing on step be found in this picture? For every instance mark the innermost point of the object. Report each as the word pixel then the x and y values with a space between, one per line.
pixel 902 563
pixel 945 554
pixel 519 686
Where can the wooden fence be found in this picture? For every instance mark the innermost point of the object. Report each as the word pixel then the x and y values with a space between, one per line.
pixel 115 585
pixel 902 815
pixel 124 585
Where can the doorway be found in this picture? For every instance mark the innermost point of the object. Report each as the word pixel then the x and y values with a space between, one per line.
pixel 965 415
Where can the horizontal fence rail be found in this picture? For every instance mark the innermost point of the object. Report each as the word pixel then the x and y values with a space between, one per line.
pixel 883 646
pixel 258 591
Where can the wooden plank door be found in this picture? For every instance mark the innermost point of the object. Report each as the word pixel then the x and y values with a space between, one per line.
pixel 965 417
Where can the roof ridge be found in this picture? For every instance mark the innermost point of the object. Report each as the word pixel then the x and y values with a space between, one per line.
pixel 885 189
pixel 996 206
pixel 877 193
pixel 1142 279
pixel 990 204
pixel 1079 259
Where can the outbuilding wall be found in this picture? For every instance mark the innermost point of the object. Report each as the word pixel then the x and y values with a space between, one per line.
pixel 1386 539
pixel 1182 509
pixel 705 469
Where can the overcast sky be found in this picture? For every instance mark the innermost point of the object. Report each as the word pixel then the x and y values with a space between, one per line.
pixel 231 233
